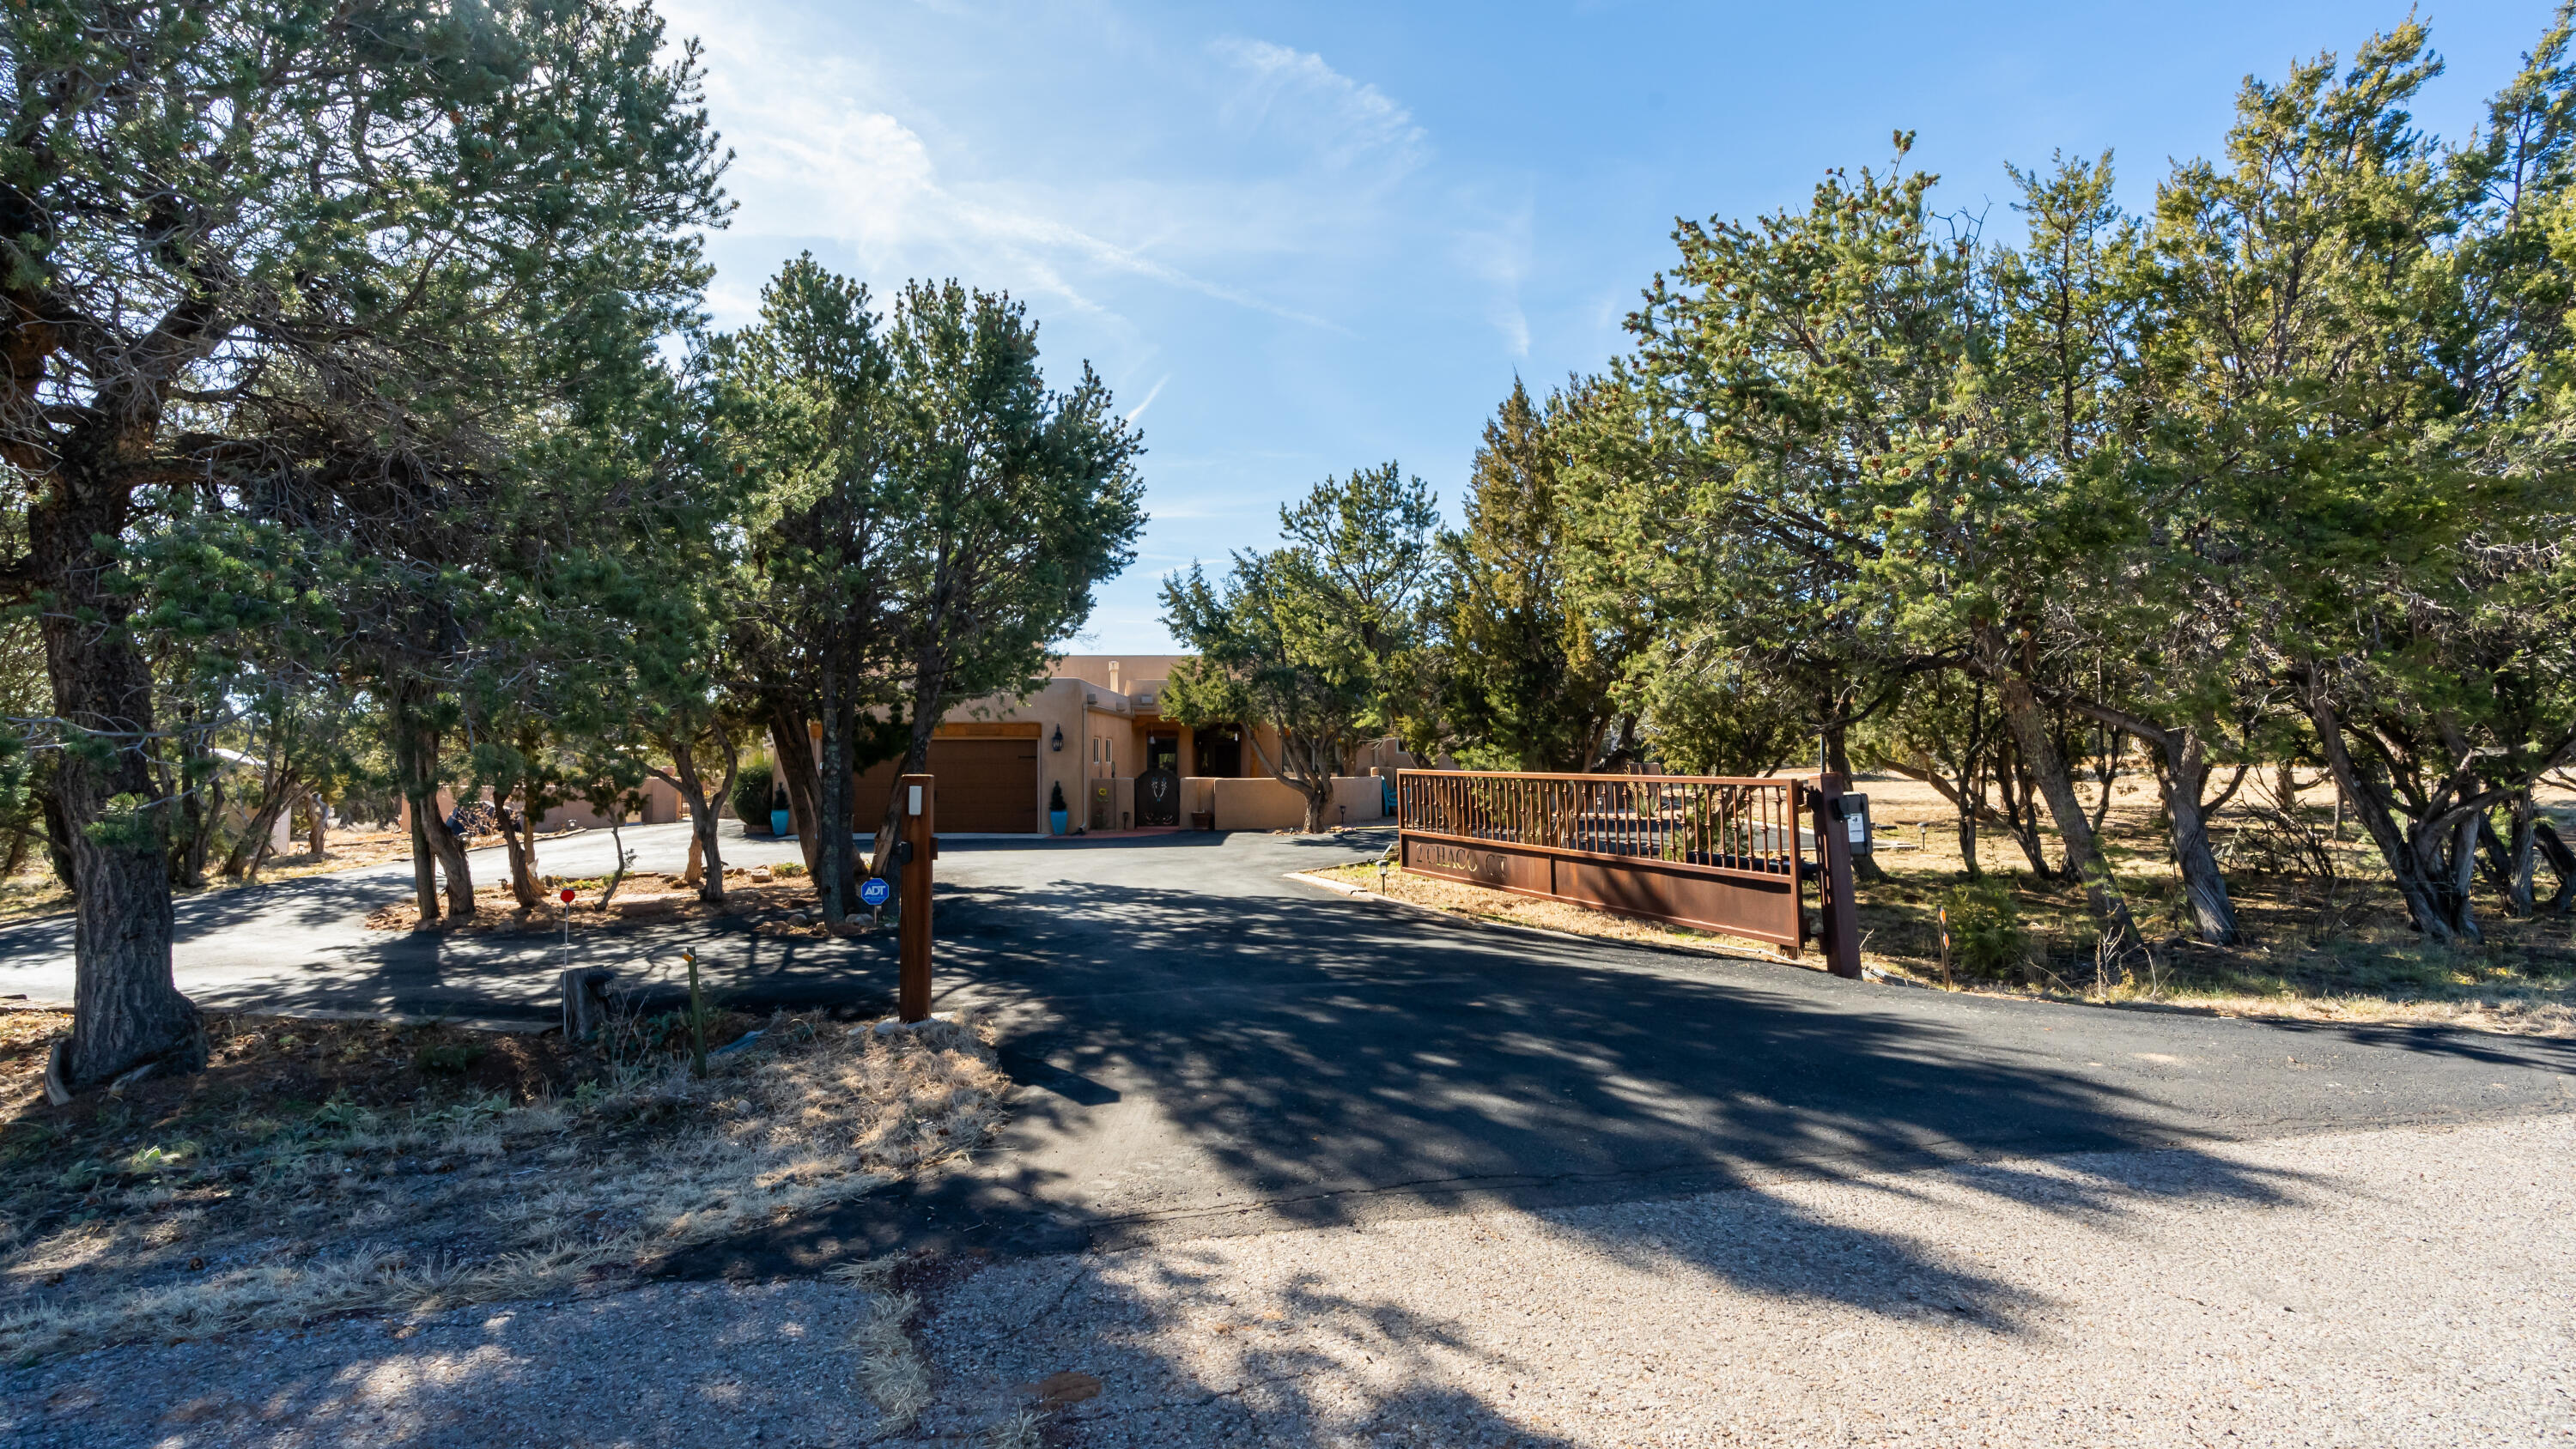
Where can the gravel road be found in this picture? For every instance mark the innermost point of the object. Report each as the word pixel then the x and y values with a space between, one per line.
pixel 2403 1287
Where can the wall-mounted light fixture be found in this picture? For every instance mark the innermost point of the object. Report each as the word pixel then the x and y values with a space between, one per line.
pixel 1056 745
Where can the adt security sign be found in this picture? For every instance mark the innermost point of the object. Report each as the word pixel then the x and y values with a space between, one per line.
pixel 874 892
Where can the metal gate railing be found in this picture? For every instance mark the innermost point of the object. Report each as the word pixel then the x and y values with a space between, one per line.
pixel 1709 852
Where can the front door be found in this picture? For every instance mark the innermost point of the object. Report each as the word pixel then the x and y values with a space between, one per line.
pixel 1158 796
pixel 1221 750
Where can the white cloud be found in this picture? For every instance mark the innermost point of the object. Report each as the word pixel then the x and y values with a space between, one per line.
pixel 823 151
pixel 1344 121
pixel 1151 393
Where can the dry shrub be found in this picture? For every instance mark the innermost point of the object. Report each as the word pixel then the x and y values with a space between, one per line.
pixel 484 1199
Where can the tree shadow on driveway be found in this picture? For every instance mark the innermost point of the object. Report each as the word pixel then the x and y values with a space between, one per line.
pixel 1196 1064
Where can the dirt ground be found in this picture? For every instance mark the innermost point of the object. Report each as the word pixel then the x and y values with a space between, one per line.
pixel 318 1167
pixel 2315 946
pixel 2395 1288
pixel 780 901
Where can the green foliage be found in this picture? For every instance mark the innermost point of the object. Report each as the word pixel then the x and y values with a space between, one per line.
pixel 1309 637
pixel 753 785
pixel 341 305
pixel 1986 934
pixel 1718 720
pixel 447 1058
pixel 1525 671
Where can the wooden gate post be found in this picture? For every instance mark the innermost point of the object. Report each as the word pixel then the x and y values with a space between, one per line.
pixel 1840 908
pixel 915 848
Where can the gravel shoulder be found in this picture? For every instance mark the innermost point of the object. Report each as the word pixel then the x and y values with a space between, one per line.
pixel 2400 1287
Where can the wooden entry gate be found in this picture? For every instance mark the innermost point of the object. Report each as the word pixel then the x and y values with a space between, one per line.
pixel 1708 852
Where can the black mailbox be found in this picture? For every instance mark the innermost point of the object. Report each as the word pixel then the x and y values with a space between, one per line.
pixel 1853 812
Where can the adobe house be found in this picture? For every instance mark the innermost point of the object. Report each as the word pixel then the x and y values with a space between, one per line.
pixel 1095 728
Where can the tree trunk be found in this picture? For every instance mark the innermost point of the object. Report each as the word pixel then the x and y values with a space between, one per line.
pixel 2464 874
pixel 58 835
pixel 2521 857
pixel 2020 790
pixel 201 805
pixel 318 843
pixel 519 842
pixel 2109 775
pixel 2369 799
pixel 916 757
pixel 793 748
pixel 434 847
pixel 450 851
pixel 2185 779
pixel 2029 725
pixel 617 848
pixel 2562 863
pixel 835 863
pixel 1319 798
pixel 706 856
pixel 126 1006
pixel 276 794
pixel 424 870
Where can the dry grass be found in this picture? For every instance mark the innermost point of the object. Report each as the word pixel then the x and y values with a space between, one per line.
pixel 1479 903
pixel 323 1167
pixel 781 902
pixel 2315 947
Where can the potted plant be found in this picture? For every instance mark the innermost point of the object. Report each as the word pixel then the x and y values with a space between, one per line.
pixel 1056 813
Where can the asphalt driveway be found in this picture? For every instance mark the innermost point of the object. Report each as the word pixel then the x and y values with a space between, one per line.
pixel 1207 1048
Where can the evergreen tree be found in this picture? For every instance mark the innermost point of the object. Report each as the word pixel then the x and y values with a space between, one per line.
pixel 1526 673
pixel 1307 637
pixel 271 259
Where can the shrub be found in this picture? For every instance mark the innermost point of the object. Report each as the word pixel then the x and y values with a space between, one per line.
pixel 1055 796
pixel 1986 936
pixel 446 1058
pixel 752 785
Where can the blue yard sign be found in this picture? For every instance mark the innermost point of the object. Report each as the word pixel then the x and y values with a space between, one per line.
pixel 874 891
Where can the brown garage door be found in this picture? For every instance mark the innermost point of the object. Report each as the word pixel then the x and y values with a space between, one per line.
pixel 985 785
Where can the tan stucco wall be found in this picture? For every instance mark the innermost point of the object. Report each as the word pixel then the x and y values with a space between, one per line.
pixel 661 807
pixel 1268 804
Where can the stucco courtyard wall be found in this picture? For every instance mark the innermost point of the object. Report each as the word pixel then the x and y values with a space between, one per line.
pixel 1265 803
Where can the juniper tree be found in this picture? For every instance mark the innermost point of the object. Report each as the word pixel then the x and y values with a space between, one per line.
pixel 2360 350
pixel 1306 637
pixel 1013 500
pixel 1526 672
pixel 277 258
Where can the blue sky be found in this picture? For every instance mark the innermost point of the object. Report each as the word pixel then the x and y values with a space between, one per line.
pixel 1298 239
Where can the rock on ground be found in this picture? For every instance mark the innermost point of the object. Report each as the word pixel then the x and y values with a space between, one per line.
pixel 2406 1287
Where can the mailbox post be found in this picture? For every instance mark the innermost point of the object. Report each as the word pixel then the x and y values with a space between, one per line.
pixel 1842 823
pixel 915 848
